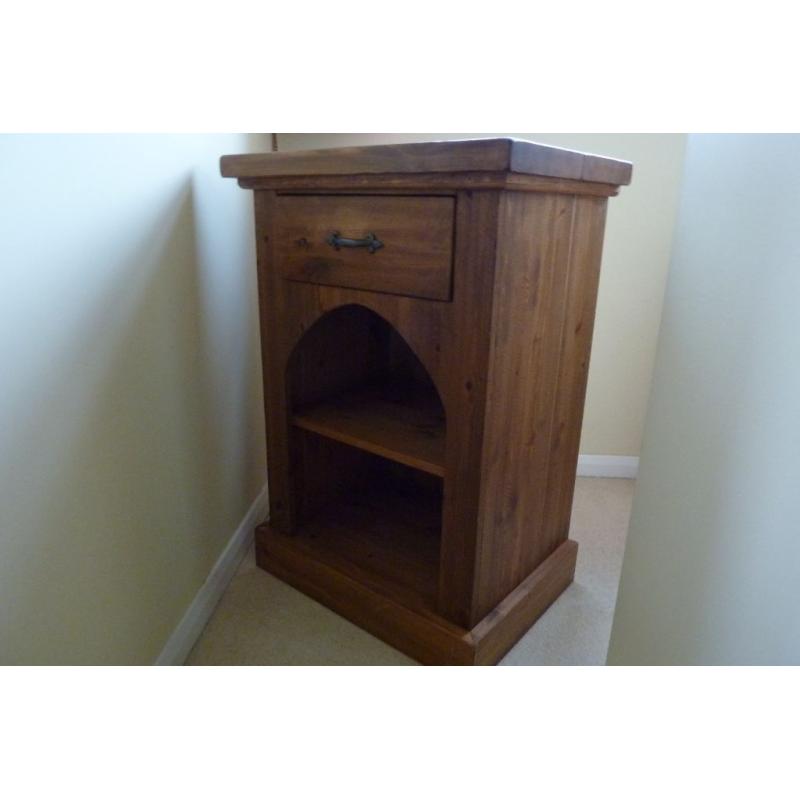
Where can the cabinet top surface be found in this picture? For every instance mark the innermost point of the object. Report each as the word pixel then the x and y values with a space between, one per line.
pixel 468 155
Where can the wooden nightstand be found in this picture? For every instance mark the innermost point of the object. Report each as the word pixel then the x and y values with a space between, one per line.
pixel 426 322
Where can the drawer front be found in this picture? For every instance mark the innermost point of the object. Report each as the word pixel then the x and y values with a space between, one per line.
pixel 399 245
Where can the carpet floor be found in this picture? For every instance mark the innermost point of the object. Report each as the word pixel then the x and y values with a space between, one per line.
pixel 261 620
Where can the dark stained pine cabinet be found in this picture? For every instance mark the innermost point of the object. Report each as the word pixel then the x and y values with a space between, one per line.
pixel 426 322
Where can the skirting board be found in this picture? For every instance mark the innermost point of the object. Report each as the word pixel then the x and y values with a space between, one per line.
pixel 608 466
pixel 183 638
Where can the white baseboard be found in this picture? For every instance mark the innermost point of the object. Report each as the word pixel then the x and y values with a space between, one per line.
pixel 182 641
pixel 608 466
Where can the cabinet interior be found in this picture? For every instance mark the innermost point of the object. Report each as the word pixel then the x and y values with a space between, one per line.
pixel 367 443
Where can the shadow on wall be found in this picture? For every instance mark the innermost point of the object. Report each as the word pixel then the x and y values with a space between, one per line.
pixel 130 455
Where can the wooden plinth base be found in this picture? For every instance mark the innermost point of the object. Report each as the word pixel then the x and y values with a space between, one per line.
pixel 409 626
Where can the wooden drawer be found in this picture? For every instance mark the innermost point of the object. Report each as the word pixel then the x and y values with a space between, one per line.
pixel 413 255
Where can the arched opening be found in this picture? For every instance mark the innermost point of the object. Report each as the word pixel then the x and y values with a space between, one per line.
pixel 367 450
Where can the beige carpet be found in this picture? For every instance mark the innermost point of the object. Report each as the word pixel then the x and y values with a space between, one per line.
pixel 263 621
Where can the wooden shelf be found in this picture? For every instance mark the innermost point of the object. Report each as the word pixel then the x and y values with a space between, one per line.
pixel 387 538
pixel 401 425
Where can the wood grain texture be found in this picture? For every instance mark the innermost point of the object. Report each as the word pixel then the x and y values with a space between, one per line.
pixel 375 608
pixel 420 322
pixel 502 627
pixel 386 532
pixel 322 471
pixel 416 257
pixel 573 371
pixel 548 264
pixel 388 614
pixel 271 294
pixel 456 579
pixel 465 351
pixel 409 432
pixel 470 155
pixel 288 311
pixel 531 273
pixel 445 183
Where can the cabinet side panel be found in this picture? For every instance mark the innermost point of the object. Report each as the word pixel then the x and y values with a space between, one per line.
pixel 283 309
pixel 573 371
pixel 272 374
pixel 545 289
pixel 465 354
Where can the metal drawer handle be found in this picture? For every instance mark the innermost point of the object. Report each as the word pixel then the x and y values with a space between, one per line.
pixel 370 241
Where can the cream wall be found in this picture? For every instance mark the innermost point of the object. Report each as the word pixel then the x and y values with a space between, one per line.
pixel 131 434
pixel 712 565
pixel 636 256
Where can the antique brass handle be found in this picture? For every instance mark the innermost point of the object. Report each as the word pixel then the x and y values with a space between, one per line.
pixel 370 241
